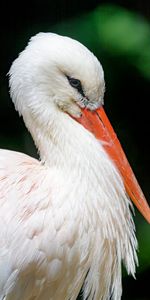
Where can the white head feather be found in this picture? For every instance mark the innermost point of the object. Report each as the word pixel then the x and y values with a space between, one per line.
pixel 42 69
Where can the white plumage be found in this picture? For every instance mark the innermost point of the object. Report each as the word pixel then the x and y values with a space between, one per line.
pixel 65 220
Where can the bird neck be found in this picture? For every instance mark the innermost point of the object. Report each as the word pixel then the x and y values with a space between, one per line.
pixel 61 141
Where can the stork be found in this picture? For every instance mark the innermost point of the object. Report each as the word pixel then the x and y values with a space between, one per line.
pixel 66 219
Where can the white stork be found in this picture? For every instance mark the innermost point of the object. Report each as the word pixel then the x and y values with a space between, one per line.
pixel 65 220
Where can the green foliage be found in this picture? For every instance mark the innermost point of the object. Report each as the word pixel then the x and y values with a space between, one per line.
pixel 126 34
pixel 143 233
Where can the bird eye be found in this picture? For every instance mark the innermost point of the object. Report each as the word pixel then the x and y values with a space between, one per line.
pixel 74 82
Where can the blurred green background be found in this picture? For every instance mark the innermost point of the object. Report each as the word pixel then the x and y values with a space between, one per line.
pixel 118 32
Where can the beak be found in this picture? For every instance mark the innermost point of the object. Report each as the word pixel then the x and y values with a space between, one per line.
pixel 98 123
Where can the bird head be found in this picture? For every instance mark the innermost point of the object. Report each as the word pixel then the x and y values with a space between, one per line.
pixel 56 74
pixel 59 72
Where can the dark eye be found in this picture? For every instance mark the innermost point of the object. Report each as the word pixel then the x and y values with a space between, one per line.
pixel 76 83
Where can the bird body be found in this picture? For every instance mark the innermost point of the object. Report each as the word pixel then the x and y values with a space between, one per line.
pixel 65 219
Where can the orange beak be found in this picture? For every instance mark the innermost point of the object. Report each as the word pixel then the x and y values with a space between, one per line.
pixel 98 123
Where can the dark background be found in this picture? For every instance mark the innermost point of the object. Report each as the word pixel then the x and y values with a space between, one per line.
pixel 118 32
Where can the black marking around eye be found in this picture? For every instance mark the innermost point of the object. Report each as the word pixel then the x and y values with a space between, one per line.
pixel 76 83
